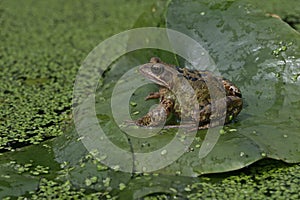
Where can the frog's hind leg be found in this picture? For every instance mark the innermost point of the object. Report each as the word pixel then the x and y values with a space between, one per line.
pixel 154 117
pixel 234 106
pixel 188 127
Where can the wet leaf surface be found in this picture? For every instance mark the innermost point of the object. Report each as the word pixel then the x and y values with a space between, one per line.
pixel 261 55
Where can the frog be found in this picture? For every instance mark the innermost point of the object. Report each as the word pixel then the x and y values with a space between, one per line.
pixel 196 107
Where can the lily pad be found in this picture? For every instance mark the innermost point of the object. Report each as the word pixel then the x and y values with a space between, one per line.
pixel 260 54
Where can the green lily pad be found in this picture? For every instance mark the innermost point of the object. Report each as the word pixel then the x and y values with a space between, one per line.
pixel 256 51
pixel 260 54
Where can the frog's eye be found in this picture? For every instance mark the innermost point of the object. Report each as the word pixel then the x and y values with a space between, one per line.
pixel 157 69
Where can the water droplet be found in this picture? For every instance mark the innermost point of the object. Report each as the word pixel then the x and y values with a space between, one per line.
pixel 242 154
pixel 202 13
pixel 163 152
pixel 263 154
pixel 285 135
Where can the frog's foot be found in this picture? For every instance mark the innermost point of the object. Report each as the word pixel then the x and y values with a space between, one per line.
pixel 234 106
pixel 153 95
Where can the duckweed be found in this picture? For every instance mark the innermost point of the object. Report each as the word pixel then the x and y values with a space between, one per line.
pixel 122 186
pixel 133 104
pixel 90 181
pixel 38 70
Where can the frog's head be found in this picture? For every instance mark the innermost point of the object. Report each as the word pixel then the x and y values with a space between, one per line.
pixel 158 72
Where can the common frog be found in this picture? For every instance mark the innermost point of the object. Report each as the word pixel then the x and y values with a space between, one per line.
pixel 169 78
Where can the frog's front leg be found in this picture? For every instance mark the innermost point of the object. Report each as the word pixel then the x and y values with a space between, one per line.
pixel 153 95
pixel 156 95
pixel 158 115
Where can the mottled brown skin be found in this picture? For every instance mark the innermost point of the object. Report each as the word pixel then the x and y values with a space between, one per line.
pixel 196 89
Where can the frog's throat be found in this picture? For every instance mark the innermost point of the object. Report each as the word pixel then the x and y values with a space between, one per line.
pixel 159 81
